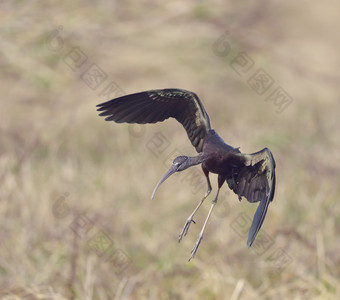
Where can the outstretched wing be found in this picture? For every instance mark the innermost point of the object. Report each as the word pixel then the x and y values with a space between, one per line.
pixel 156 106
pixel 255 181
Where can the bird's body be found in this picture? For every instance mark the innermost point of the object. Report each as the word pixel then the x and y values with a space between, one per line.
pixel 249 175
pixel 220 156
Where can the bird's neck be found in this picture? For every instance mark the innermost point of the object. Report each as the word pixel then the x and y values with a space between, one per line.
pixel 195 160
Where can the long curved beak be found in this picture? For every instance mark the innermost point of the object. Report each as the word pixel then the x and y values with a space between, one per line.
pixel 171 171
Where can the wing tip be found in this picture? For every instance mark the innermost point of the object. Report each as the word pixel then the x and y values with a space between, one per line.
pixel 252 235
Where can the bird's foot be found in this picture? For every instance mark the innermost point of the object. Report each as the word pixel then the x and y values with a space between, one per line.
pixel 185 228
pixel 194 250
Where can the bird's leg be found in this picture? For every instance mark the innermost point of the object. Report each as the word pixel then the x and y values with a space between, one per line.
pixel 200 236
pixel 191 217
pixel 221 180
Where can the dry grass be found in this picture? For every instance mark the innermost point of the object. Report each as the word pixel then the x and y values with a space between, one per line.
pixel 76 219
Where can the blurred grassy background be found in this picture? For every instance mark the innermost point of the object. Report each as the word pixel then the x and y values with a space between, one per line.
pixel 76 217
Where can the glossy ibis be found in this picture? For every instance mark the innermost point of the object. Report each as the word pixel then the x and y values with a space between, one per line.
pixel 249 175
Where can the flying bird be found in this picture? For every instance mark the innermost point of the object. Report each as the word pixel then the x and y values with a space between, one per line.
pixel 248 175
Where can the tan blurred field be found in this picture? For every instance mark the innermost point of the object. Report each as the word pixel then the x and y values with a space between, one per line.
pixel 77 221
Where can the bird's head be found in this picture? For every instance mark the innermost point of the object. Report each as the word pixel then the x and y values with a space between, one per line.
pixel 180 163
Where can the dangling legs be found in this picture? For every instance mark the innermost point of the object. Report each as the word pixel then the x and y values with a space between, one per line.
pixel 190 219
pixel 221 180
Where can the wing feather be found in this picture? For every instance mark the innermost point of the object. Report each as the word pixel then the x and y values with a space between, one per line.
pixel 158 105
pixel 255 181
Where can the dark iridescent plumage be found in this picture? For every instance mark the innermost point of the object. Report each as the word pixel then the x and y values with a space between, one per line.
pixel 248 175
pixel 156 106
